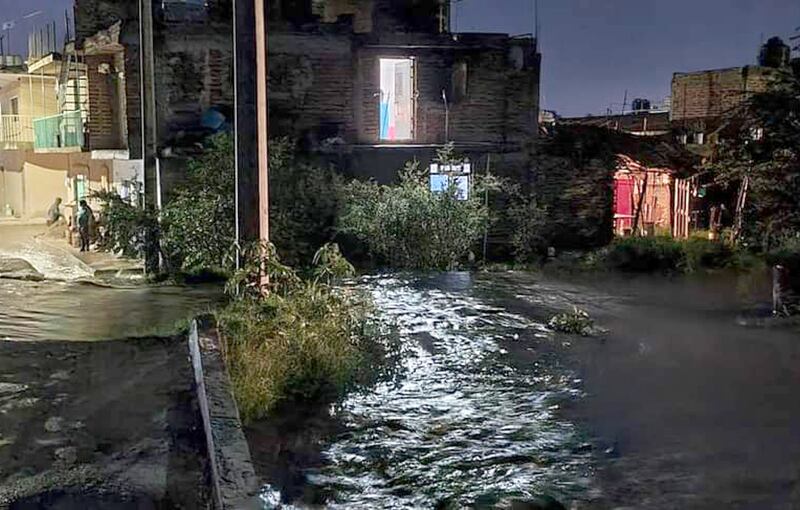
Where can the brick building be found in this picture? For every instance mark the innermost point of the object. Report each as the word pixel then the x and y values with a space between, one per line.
pixel 701 100
pixel 368 84
pixel 379 82
pixel 193 61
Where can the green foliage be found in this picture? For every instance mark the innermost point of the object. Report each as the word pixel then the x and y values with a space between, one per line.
pixel 530 234
pixel 305 341
pixel 765 147
pixel 408 226
pixel 330 266
pixel 645 254
pixel 786 252
pixel 124 226
pixel 666 254
pixel 702 253
pixel 576 322
pixel 198 223
pixel 303 203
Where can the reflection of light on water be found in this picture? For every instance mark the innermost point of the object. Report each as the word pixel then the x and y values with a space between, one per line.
pixel 463 421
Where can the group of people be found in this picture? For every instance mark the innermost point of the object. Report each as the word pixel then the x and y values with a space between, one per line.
pixel 84 219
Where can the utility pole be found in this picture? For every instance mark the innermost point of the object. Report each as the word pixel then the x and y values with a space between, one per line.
pixel 251 119
pixel 152 184
pixel 246 124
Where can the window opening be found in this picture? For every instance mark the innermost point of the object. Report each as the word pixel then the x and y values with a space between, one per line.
pixel 397 99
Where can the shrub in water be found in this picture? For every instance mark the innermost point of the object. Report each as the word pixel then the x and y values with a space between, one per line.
pixel 124 226
pixel 645 254
pixel 529 227
pixel 576 322
pixel 304 201
pixel 408 226
pixel 306 341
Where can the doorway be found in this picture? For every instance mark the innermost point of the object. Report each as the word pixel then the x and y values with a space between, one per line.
pixel 397 99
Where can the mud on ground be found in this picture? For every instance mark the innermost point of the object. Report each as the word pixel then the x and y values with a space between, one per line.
pixel 100 425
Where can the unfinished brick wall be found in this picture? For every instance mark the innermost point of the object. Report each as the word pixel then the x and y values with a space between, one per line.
pixel 712 94
pixel 194 63
pixel 102 124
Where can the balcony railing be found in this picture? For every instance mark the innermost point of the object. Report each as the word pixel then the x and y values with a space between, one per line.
pixel 59 131
pixel 15 131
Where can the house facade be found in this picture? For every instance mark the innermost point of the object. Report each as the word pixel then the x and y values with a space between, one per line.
pixel 63 130
pixel 376 83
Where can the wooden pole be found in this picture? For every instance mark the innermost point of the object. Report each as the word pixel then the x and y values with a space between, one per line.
pixel 262 113
pixel 641 203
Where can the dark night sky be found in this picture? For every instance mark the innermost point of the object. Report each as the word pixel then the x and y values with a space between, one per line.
pixel 593 50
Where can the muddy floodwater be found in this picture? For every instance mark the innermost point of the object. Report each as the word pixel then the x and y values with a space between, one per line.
pixel 689 400
pixel 68 300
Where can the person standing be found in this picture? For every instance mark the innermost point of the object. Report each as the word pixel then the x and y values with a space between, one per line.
pixel 85 220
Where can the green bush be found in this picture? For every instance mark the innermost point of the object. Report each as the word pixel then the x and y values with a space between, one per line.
pixel 198 222
pixel 787 253
pixel 303 205
pixel 666 254
pixel 704 254
pixel 529 227
pixel 306 341
pixel 645 254
pixel 124 226
pixel 576 322
pixel 408 226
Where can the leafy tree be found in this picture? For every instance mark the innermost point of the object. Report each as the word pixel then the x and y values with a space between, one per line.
pixel 303 203
pixel 198 223
pixel 763 146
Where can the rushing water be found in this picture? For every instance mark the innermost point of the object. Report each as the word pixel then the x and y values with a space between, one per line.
pixel 71 303
pixel 686 402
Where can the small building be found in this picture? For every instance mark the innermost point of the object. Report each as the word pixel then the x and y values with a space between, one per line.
pixel 651 200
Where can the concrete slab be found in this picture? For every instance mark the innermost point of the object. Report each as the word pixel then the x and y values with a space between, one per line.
pixel 100 425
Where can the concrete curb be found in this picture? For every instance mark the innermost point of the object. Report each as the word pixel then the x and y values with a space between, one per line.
pixel 233 478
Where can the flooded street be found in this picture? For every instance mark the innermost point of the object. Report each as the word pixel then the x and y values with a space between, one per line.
pixel 72 303
pixel 688 401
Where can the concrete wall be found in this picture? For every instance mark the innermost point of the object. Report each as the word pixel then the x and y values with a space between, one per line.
pixel 37 96
pixel 31 181
pixel 41 186
pixel 11 193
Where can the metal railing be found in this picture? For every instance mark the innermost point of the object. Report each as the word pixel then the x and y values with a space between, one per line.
pixel 15 130
pixel 59 131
